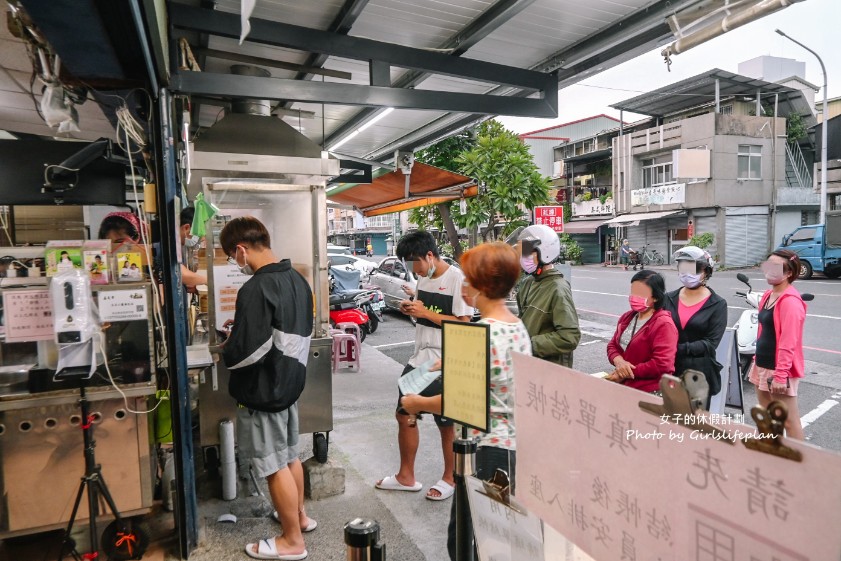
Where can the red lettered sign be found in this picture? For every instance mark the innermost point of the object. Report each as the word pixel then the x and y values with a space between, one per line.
pixel 552 216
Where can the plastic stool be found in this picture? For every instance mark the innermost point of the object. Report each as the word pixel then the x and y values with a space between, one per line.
pixel 345 351
pixel 348 327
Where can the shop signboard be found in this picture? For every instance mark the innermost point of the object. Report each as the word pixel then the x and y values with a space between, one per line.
pixel 621 482
pixel 552 216
pixel 661 195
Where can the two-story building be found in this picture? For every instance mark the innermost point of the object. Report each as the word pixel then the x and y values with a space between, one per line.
pixel 715 160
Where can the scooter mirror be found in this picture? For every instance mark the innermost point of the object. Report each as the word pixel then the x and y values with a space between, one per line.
pixel 807 297
pixel 744 278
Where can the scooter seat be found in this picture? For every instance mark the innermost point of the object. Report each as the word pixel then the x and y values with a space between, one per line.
pixel 345 297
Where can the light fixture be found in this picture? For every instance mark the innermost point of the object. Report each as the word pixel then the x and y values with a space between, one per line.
pixel 377 118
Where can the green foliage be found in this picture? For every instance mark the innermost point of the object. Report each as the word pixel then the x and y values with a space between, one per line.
pixel 795 129
pixel 605 197
pixel 587 196
pixel 421 217
pixel 443 154
pixel 446 248
pixel 567 212
pixel 703 241
pixel 508 178
pixel 572 251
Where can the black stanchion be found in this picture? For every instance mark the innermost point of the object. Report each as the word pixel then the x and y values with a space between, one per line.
pixel 465 459
pixel 362 538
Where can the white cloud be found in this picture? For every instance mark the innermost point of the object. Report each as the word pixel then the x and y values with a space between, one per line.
pixel 812 22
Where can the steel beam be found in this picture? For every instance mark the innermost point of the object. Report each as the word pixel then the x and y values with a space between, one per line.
pixel 490 20
pixel 356 48
pixel 252 87
pixel 260 61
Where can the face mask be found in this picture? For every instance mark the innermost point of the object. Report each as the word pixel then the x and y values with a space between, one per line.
pixel 527 263
pixel 638 303
pixel 191 242
pixel 431 270
pixel 691 280
pixel 245 269
pixel 774 273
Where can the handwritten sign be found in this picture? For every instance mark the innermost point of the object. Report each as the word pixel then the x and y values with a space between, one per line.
pixel 226 282
pixel 503 533
pixel 466 370
pixel 622 483
pixel 123 305
pixel 28 315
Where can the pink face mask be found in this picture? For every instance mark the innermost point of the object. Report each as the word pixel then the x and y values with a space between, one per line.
pixel 527 263
pixel 638 303
pixel 774 273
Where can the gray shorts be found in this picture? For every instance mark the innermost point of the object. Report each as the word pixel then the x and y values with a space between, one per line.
pixel 268 440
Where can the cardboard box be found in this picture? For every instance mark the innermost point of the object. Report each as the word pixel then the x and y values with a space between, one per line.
pixel 63 255
pixel 95 255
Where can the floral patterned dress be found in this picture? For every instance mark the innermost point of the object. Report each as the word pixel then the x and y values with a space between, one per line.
pixel 506 338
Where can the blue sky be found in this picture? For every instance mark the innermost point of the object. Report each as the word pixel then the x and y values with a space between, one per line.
pixel 815 23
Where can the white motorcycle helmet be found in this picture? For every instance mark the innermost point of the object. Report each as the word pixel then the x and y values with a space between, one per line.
pixel 544 240
pixel 699 256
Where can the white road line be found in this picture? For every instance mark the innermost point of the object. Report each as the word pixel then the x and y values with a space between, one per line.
pixel 393 344
pixel 816 413
pixel 589 342
pixel 807 315
pixel 602 293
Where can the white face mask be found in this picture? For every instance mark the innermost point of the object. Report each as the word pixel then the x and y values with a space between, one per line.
pixel 244 269
pixel 431 270
pixel 191 242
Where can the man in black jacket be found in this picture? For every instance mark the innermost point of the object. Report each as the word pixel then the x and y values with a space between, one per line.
pixel 267 353
pixel 700 316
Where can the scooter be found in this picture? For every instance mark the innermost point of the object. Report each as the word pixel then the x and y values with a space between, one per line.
pixel 349 304
pixel 747 328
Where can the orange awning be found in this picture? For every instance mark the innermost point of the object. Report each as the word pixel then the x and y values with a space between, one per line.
pixel 386 194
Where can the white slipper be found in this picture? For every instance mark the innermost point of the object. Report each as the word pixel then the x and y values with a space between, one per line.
pixel 313 524
pixel 442 487
pixel 390 483
pixel 267 549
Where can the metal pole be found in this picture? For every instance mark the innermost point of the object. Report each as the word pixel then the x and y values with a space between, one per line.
pixel 717 96
pixel 362 539
pixel 465 458
pixel 825 112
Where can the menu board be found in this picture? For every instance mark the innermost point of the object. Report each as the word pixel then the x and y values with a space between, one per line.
pixel 226 282
pixel 28 315
pixel 466 372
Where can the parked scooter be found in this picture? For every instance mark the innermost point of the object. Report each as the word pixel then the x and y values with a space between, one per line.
pixel 747 328
pixel 350 304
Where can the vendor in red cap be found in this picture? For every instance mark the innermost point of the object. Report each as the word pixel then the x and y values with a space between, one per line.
pixel 120 228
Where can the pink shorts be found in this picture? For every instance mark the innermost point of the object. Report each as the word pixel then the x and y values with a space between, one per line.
pixel 759 377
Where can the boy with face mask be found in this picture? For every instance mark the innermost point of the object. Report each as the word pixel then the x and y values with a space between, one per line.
pixel 700 316
pixel 267 353
pixel 189 278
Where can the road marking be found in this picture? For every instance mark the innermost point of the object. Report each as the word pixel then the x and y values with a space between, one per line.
pixel 819 316
pixel 595 312
pixel 822 350
pixel 393 344
pixel 816 413
pixel 602 293
pixel 589 342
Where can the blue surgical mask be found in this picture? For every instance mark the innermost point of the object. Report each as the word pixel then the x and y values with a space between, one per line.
pixel 431 270
pixel 691 280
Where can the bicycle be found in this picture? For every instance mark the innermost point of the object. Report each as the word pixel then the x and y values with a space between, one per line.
pixel 652 256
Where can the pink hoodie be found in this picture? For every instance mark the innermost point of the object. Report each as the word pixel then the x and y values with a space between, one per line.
pixel 790 311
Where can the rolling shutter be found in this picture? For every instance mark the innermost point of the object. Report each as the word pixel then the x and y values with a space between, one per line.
pixel 745 238
pixel 704 224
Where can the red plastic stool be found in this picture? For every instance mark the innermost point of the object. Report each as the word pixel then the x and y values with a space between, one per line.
pixel 345 351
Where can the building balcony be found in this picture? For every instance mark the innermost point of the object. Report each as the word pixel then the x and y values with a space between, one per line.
pixel 789 196
pixel 593 208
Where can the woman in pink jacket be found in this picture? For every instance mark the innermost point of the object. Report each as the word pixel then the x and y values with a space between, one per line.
pixel 779 364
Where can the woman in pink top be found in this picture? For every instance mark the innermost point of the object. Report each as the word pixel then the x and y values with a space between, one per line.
pixel 779 364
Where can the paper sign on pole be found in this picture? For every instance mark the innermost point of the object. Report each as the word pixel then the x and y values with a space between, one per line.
pixel 624 484
pixel 503 533
pixel 465 349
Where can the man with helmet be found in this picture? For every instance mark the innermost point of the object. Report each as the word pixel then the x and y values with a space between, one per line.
pixel 545 297
pixel 700 316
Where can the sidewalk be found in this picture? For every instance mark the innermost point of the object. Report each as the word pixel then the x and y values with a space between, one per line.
pixel 364 442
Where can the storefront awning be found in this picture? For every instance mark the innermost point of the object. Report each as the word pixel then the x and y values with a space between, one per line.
pixel 629 219
pixel 387 193
pixel 583 226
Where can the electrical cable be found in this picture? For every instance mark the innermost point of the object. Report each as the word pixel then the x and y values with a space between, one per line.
pixel 116 387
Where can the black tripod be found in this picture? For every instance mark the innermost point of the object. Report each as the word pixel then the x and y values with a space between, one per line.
pixel 125 541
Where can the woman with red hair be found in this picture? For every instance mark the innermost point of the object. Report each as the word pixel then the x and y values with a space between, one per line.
pixel 491 270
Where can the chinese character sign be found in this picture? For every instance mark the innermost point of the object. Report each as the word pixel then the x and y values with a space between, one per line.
pixel 662 195
pixel 622 483
pixel 28 315
pixel 552 216
pixel 466 372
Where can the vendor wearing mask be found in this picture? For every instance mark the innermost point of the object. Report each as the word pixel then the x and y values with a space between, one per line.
pixel 700 316
pixel 189 278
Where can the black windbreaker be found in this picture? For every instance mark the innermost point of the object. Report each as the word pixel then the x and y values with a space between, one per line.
pixel 270 340
pixel 698 341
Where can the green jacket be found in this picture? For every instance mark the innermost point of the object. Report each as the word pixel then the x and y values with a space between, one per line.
pixel 549 315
